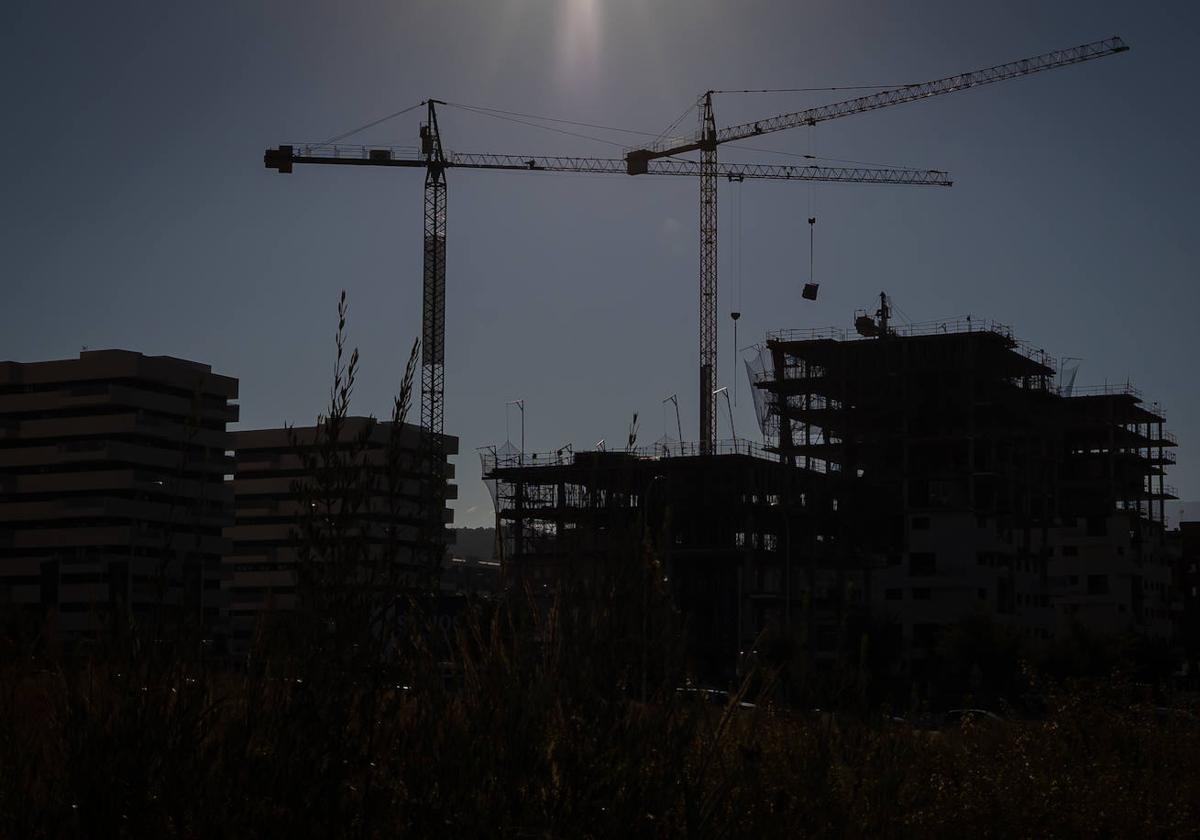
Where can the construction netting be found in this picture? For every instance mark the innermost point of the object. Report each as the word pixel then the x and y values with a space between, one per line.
pixel 492 457
pixel 758 369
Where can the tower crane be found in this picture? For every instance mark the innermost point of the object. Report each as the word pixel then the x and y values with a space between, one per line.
pixel 435 161
pixel 708 137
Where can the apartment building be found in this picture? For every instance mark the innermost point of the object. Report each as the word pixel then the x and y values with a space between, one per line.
pixel 112 494
pixel 272 465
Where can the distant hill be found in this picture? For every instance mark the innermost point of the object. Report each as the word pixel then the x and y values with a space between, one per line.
pixel 1182 512
pixel 477 543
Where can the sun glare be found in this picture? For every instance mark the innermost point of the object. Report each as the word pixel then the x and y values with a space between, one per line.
pixel 579 39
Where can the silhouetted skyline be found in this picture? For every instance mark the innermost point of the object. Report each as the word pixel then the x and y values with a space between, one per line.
pixel 137 213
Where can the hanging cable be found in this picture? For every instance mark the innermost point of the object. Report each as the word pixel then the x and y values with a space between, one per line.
pixel 809 292
pixel 812 89
pixel 900 312
pixel 371 124
pixel 578 123
pixel 499 116
pixel 736 310
pixel 812 226
pixel 662 134
pixel 811 156
pixel 741 217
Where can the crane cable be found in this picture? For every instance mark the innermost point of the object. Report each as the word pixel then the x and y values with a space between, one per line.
pixel 812 220
pixel 498 113
pixel 812 225
pixel 736 310
pixel 501 116
pixel 372 124
pixel 663 134
pixel 812 89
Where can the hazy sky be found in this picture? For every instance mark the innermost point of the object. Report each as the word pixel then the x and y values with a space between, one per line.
pixel 136 211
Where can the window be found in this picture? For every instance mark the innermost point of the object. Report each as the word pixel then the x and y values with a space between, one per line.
pixel 1097 584
pixel 920 523
pixel 1070 551
pixel 922 593
pixel 922 563
pixel 892 594
pixel 982 594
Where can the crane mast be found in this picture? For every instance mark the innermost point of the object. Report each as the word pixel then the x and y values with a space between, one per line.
pixel 432 157
pixel 708 138
pixel 433 341
pixel 708 275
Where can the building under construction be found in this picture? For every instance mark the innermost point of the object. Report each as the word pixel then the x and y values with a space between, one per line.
pixel 913 476
pixel 970 475
pixel 723 526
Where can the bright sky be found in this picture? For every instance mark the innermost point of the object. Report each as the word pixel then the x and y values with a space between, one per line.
pixel 136 212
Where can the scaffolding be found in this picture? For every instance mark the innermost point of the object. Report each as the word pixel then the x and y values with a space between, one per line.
pixel 960 422
pixel 747 545
pixel 878 453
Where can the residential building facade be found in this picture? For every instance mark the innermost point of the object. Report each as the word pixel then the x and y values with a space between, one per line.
pixel 272 468
pixel 112 494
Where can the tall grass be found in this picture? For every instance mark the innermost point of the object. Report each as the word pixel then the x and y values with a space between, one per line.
pixel 537 725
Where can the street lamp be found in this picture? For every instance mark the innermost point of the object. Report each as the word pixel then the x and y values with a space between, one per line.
pixel 678 426
pixel 724 390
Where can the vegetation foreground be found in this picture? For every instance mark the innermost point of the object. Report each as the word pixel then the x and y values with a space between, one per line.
pixel 360 716
pixel 536 731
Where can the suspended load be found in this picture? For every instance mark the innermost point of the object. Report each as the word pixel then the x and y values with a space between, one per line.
pixel 810 288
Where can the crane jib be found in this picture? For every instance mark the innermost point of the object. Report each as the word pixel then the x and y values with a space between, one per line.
pixel 638 158
pixel 284 158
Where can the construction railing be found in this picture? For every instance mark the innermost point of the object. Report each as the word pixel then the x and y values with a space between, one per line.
pixel 492 459
pixel 1102 391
